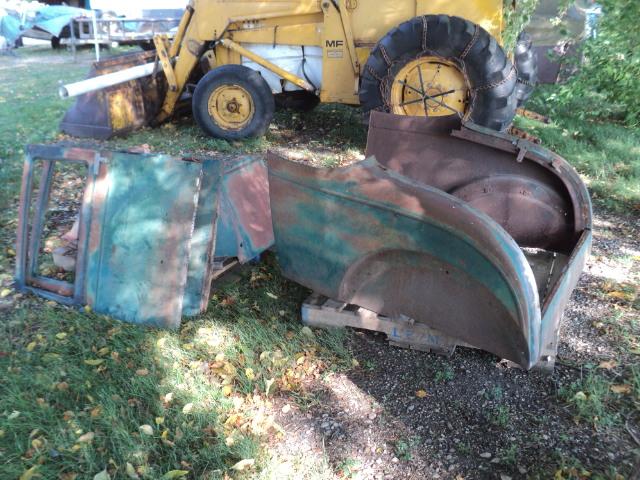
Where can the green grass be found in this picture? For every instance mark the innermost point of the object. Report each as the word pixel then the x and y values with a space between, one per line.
pixel 67 374
pixel 51 398
pixel 77 387
pixel 606 154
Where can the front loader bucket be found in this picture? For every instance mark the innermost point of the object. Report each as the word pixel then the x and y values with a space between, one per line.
pixel 475 234
pixel 118 109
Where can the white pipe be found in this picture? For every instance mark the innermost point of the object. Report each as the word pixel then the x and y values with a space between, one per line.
pixel 106 80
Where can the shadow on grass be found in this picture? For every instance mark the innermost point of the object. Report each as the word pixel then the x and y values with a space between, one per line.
pixel 82 393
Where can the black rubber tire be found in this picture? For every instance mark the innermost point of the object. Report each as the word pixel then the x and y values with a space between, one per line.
pixel 248 79
pixel 490 73
pixel 55 43
pixel 526 64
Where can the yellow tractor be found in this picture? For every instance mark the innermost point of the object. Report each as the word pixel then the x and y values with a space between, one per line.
pixel 233 58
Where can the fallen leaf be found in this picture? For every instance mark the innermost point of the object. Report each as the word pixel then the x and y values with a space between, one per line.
pixel 96 412
pixel 622 389
pixel 146 429
pixel 244 464
pixel 31 473
pixel 187 408
pixel 87 437
pixel 271 295
pixel 421 394
pixel 159 420
pixel 94 362
pixel 13 415
pixel 103 351
pixel 249 373
pixel 619 295
pixel 307 332
pixel 170 475
pixel 103 475
pixel 62 386
pixel 31 346
pixel 286 408
pixel 580 396
pixel 355 363
pixel 142 372
pixel 608 364
pixel 61 335
pixel 5 292
pixel 227 390
pixel 131 472
pixel 267 386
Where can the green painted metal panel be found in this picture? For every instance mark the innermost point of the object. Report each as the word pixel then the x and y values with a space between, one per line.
pixel 144 210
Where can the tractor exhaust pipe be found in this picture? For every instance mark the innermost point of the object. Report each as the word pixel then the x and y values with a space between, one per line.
pixel 104 81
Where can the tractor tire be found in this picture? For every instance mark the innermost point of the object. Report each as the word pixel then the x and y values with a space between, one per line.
pixel 527 67
pixel 489 75
pixel 233 102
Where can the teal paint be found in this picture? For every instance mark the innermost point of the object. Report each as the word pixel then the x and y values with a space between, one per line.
pixel 148 228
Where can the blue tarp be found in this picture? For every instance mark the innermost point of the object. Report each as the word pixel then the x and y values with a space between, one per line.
pixel 51 19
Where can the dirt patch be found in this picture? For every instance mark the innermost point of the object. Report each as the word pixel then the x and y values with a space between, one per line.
pixel 479 419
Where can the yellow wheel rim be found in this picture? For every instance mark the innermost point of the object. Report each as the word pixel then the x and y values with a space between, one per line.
pixel 429 87
pixel 231 107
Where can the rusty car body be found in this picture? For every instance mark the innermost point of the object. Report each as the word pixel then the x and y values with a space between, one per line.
pixel 477 234
pixel 148 229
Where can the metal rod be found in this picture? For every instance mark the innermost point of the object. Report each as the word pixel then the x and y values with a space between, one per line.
pixel 42 203
pixel 23 222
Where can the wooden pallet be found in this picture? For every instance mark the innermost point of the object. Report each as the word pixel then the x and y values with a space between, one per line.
pixel 322 312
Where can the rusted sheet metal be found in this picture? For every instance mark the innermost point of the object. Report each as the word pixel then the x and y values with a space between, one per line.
pixel 244 227
pixel 203 241
pixel 479 235
pixel 140 239
pixel 549 63
pixel 366 235
pixel 118 109
pixel 147 230
pixel 233 220
pixel 559 295
pixel 534 194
